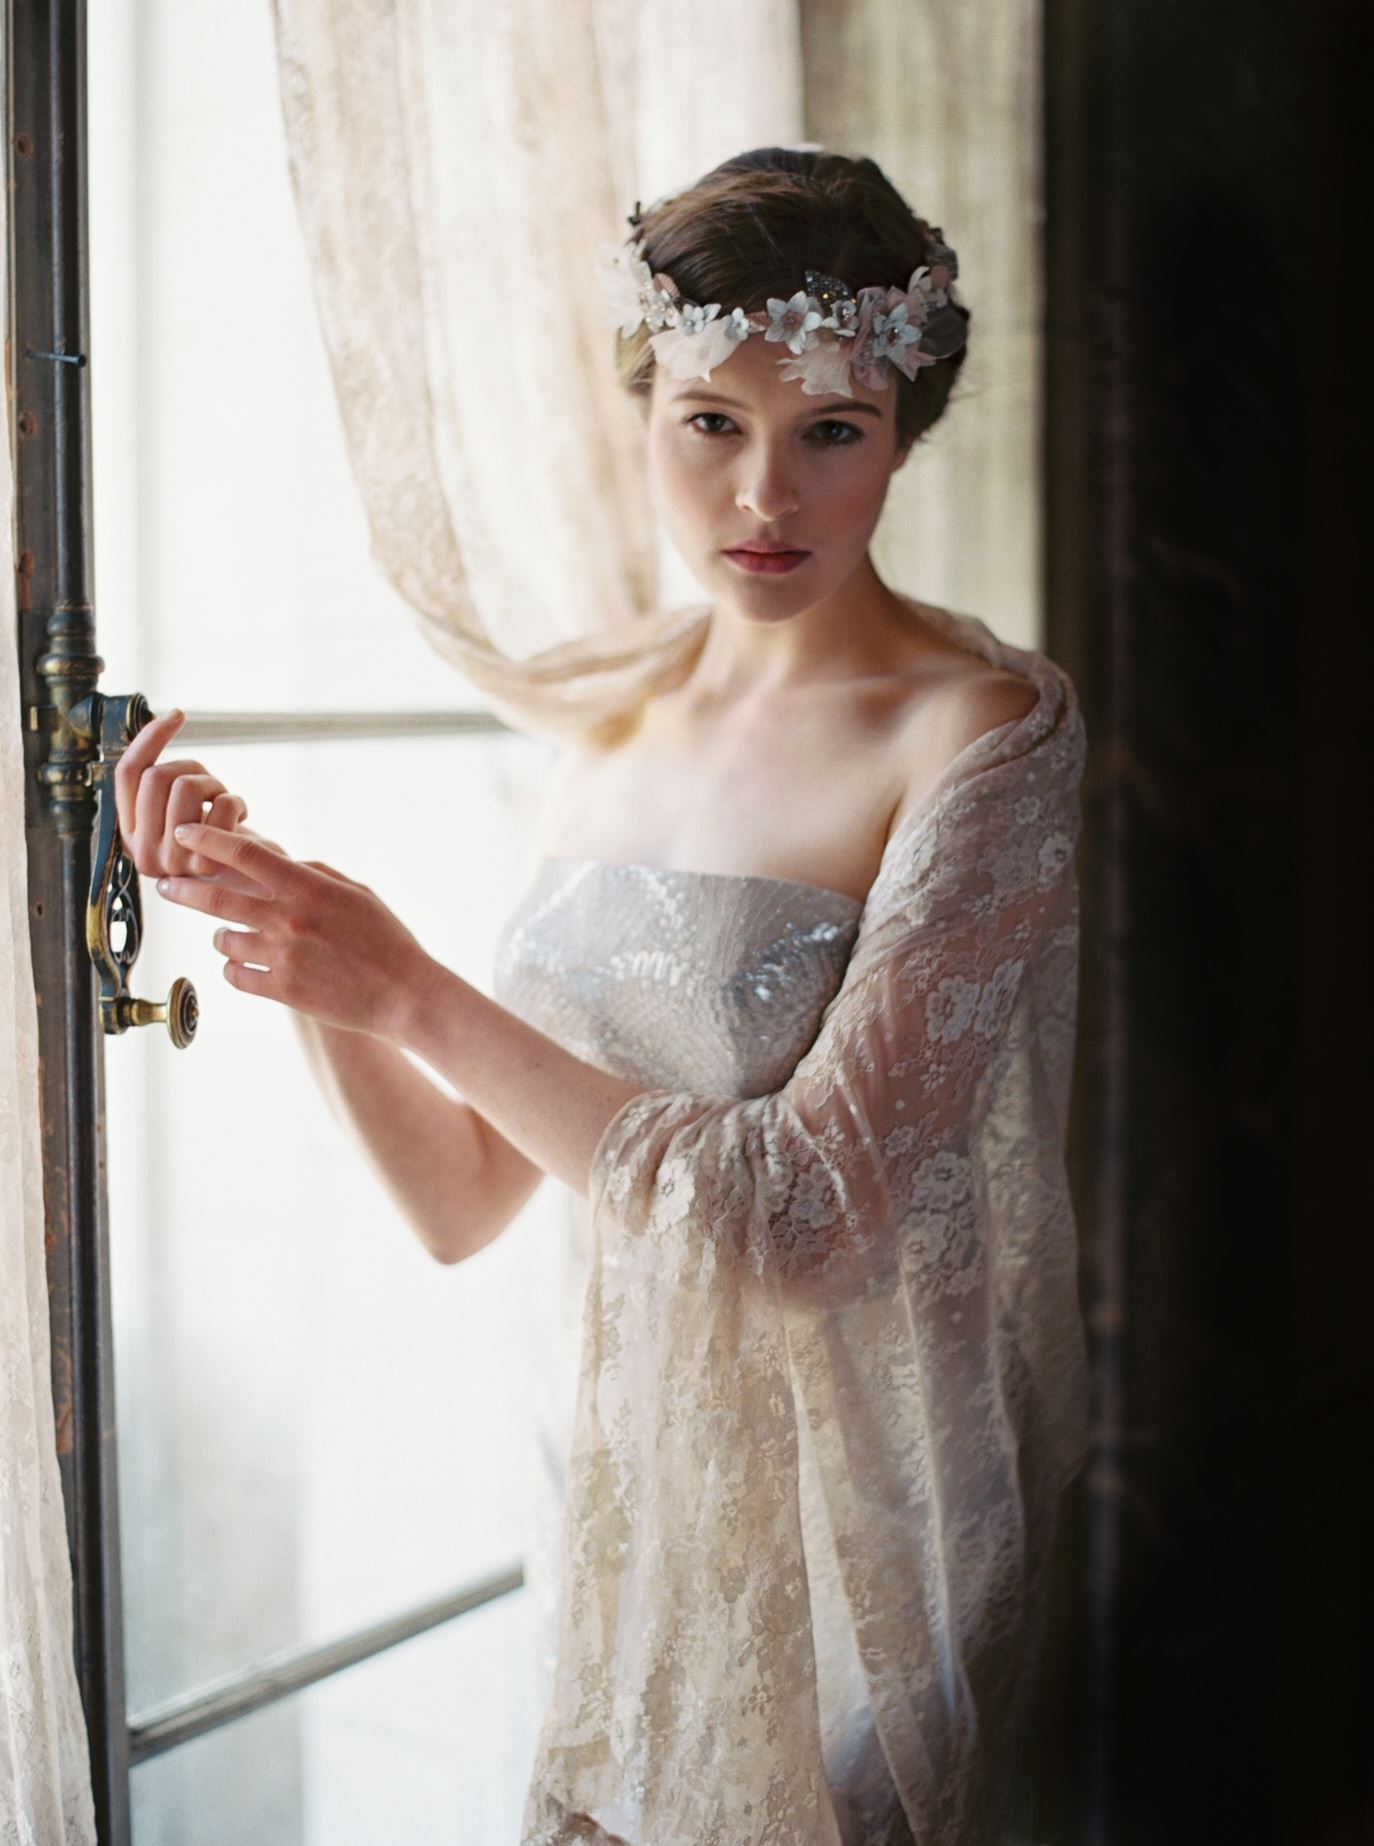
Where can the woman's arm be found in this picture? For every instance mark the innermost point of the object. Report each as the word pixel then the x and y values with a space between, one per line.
pixel 551 1105
pixel 456 1180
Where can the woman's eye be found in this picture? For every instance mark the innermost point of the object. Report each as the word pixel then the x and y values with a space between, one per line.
pixel 850 434
pixel 719 416
pixel 843 435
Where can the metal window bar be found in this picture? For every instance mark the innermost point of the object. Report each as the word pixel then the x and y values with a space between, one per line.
pixel 192 1714
pixel 48 389
pixel 279 727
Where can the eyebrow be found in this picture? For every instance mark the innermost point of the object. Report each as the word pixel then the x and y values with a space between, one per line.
pixel 848 404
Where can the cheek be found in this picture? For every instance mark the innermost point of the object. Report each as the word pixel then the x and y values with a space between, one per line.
pixel 851 500
pixel 689 479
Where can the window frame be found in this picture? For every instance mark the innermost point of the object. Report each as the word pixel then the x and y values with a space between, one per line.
pixel 63 715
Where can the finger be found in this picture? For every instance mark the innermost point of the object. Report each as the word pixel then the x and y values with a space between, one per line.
pixel 231 880
pixel 219 900
pixel 242 945
pixel 228 811
pixel 252 980
pixel 157 791
pixel 280 875
pixel 237 881
pixel 141 750
pixel 152 831
pixel 186 798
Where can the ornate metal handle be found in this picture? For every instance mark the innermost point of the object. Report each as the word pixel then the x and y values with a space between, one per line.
pixel 114 906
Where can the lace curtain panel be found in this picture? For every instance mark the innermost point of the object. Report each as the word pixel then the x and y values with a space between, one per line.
pixel 498 462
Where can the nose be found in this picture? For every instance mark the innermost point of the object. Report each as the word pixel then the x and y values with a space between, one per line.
pixel 765 489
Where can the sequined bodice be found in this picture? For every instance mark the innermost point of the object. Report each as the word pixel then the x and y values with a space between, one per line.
pixel 704 981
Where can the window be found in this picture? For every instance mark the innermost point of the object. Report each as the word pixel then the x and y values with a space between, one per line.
pixel 319 1431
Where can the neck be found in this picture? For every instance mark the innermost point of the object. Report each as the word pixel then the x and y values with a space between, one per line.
pixel 862 628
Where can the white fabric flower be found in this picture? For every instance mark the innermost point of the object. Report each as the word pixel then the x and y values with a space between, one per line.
pixel 893 331
pixel 693 355
pixel 794 320
pixel 738 324
pixel 661 309
pixel 692 318
pixel 823 368
pixel 866 361
pixel 625 280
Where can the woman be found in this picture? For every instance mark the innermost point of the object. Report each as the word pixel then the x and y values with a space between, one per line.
pixel 788 1004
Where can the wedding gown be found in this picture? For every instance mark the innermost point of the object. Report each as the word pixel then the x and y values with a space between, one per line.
pixel 818 1375
pixel 696 981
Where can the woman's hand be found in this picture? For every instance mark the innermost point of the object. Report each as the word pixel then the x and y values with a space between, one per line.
pixel 315 939
pixel 153 798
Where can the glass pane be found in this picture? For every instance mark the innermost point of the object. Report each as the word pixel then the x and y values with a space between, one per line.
pixel 428 1744
pixel 319 1425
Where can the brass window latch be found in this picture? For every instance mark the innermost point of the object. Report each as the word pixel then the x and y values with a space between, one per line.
pixel 114 908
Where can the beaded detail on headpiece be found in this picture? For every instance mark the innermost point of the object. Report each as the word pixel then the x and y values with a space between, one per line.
pixel 832 334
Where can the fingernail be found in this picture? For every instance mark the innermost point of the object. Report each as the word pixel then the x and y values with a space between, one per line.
pixel 164 885
pixel 183 833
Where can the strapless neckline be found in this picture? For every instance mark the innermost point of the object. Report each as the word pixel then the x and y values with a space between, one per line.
pixel 684 872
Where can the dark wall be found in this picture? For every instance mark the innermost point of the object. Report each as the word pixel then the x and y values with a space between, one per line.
pixel 1207 590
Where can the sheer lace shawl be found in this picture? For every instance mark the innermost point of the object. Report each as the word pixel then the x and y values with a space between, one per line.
pixel 885 1246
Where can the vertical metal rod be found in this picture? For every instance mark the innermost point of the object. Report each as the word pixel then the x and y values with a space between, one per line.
pixel 46 158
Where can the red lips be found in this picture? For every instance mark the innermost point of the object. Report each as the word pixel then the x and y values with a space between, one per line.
pixel 771 563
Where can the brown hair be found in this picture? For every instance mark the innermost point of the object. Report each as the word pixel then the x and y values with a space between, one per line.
pixel 752 226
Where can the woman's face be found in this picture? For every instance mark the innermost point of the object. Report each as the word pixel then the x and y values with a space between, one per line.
pixel 771 463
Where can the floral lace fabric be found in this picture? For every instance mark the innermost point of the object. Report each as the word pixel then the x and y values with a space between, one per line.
pixel 878 1258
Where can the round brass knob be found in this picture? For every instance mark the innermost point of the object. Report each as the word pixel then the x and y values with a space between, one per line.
pixel 180 1012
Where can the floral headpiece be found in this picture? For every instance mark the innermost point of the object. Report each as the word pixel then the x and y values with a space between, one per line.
pixel 833 334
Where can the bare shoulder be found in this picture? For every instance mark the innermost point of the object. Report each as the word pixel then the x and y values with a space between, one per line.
pixel 970 704
pixel 963 707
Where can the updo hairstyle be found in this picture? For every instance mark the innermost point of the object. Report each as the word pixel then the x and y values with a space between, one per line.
pixel 753 226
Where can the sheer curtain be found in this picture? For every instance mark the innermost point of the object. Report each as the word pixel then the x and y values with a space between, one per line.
pixel 456 165
pixel 45 1785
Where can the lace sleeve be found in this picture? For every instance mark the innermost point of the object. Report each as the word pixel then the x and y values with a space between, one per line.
pixel 885 1248
pixel 972 950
